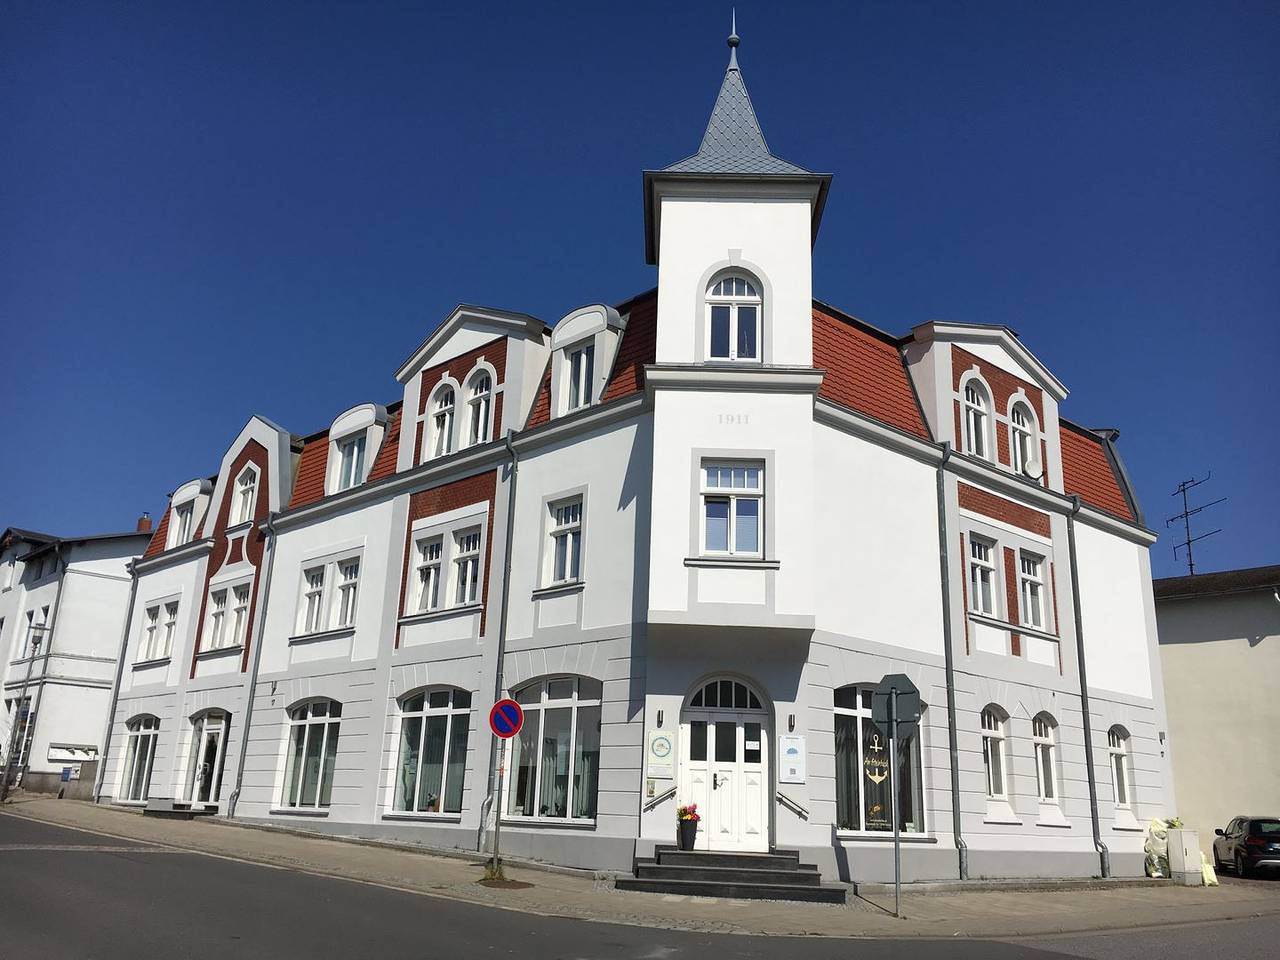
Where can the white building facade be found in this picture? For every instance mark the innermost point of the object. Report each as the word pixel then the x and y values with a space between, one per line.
pixel 688 532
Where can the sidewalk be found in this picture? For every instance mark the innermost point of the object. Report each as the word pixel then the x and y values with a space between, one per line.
pixel 987 914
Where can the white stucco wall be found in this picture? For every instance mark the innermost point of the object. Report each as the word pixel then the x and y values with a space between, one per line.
pixel 1117 641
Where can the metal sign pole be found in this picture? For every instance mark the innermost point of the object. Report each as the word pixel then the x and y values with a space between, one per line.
pixel 494 872
pixel 893 800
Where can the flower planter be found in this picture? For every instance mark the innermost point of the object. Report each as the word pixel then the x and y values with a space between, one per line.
pixel 687 834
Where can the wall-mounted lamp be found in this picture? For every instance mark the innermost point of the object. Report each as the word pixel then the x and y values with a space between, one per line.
pixel 791 723
pixel 659 719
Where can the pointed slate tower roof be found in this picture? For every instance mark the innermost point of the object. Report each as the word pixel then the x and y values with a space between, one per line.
pixel 733 149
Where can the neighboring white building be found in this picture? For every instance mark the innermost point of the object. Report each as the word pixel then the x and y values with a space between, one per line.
pixel 709 516
pixel 63 602
pixel 1219 644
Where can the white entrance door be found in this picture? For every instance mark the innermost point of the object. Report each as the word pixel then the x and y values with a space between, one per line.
pixel 724 769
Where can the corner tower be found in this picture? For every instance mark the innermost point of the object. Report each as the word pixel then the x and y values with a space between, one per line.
pixel 733 210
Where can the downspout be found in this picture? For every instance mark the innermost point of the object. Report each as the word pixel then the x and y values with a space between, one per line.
pixel 1104 855
pixel 944 549
pixel 251 690
pixel 115 687
pixel 502 632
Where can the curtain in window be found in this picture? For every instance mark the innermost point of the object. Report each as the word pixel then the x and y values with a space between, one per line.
pixel 554 799
pixel 847 772
pixel 524 766
pixel 456 775
pixel 410 735
pixel 432 765
pixel 330 760
pixel 586 762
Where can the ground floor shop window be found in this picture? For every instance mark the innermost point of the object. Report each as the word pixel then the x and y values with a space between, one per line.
pixel 433 751
pixel 139 755
pixel 313 750
pixel 554 767
pixel 862 770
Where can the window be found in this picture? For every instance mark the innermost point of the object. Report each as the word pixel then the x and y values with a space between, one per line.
pixel 246 495
pixel 183 514
pixel 170 627
pixel 1118 748
pixel 312 600
pixel 982 576
pixel 139 753
pixel 432 769
pixel 555 763
pixel 1042 731
pixel 733 323
pixel 344 607
pixel 217 620
pixel 478 404
pixel 863 800
pixel 428 597
pixel 732 497
pixel 1032 581
pixel 466 566
pixel 993 719
pixel 442 423
pixel 582 362
pixel 207 756
pixel 351 470
pixel 149 648
pixel 975 420
pixel 566 541
pixel 21 717
pixel 1022 450
pixel 239 613
pixel 313 750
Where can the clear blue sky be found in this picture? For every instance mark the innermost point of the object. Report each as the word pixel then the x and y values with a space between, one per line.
pixel 212 210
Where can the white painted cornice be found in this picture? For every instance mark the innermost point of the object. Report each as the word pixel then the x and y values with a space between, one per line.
pixel 731 379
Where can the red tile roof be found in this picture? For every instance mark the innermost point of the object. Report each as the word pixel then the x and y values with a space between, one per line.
pixel 160 537
pixel 639 347
pixel 1088 473
pixel 308 482
pixel 384 465
pixel 541 411
pixel 864 372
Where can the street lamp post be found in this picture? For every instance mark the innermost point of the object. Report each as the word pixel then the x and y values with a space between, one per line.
pixel 37 632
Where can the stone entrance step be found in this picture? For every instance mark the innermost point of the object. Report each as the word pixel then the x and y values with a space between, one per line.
pixel 170 810
pixel 744 876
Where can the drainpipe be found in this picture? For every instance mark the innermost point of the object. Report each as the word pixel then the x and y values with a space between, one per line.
pixel 115 687
pixel 502 638
pixel 944 549
pixel 234 798
pixel 1104 855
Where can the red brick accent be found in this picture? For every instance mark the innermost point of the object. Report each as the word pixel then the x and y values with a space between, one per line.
pixel 419 429
pixel 639 347
pixel 313 463
pixel 1011 597
pixel 236 553
pixel 1002 444
pixel 1003 384
pixel 998 508
pixel 459 368
pixel 864 372
pixel 964 590
pixel 1087 473
pixel 219 556
pixel 160 537
pixel 442 499
pixel 384 465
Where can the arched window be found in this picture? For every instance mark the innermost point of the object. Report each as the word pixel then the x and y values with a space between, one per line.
pixel 206 756
pixel 246 495
pixel 1022 448
pixel 976 420
pixel 139 754
pixel 993 750
pixel 479 399
pixel 555 763
pixel 313 748
pixel 442 423
pixel 733 319
pixel 434 725
pixel 1118 748
pixel 1043 730
pixel 863 800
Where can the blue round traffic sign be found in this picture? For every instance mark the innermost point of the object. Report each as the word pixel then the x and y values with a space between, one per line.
pixel 506 718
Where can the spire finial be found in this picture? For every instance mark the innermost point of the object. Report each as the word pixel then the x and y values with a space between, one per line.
pixel 733 40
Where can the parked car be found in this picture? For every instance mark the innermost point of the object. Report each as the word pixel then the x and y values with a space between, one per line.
pixel 1248 843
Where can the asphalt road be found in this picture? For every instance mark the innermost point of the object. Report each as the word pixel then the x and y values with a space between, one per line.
pixel 70 894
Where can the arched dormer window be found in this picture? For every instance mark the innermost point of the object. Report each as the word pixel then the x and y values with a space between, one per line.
pixel 351 460
pixel 977 419
pixel 479 402
pixel 1022 437
pixel 442 422
pixel 246 495
pixel 733 319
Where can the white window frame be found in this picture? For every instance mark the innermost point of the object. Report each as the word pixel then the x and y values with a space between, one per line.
pixel 995 744
pixel 976 405
pixel 245 495
pixel 734 300
pixel 217 626
pixel 201 724
pixel 457 709
pixel 149 643
pixel 324 725
pixel 581 366
pixel 443 406
pixel 1022 436
pixel 185 514
pixel 239 600
pixel 466 572
pixel 1043 730
pixel 352 451
pixel 320 606
pixel 1118 752
pixel 479 405
pixel 564 526
pixel 346 593
pixel 1031 590
pixel 311 602
pixel 714 491
pixel 535 714
pixel 170 626
pixel 141 737
pixel 983 571
pixel 428 570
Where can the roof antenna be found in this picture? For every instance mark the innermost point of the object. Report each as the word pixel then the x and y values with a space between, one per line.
pixel 733 40
pixel 1185 516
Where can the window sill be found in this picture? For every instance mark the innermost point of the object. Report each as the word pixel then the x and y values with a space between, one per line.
pixel 1015 627
pixel 734 563
pixel 879 836
pixel 1051 816
pixel 549 822
pixel 442 614
pixel 999 810
pixel 219 652
pixel 299 811
pixel 148 664
pixel 1126 822
pixel 321 635
pixel 424 817
pixel 130 803
pixel 557 589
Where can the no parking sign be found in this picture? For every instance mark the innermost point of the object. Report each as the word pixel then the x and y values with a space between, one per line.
pixel 506 718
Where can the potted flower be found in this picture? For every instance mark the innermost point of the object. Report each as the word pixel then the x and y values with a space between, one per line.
pixel 687 820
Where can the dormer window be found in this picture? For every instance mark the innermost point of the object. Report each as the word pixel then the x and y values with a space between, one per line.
pixel 246 495
pixel 582 362
pixel 478 404
pixel 442 423
pixel 351 471
pixel 1022 449
pixel 976 420
pixel 733 319
pixel 183 514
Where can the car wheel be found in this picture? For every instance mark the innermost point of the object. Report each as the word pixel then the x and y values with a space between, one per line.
pixel 1242 869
